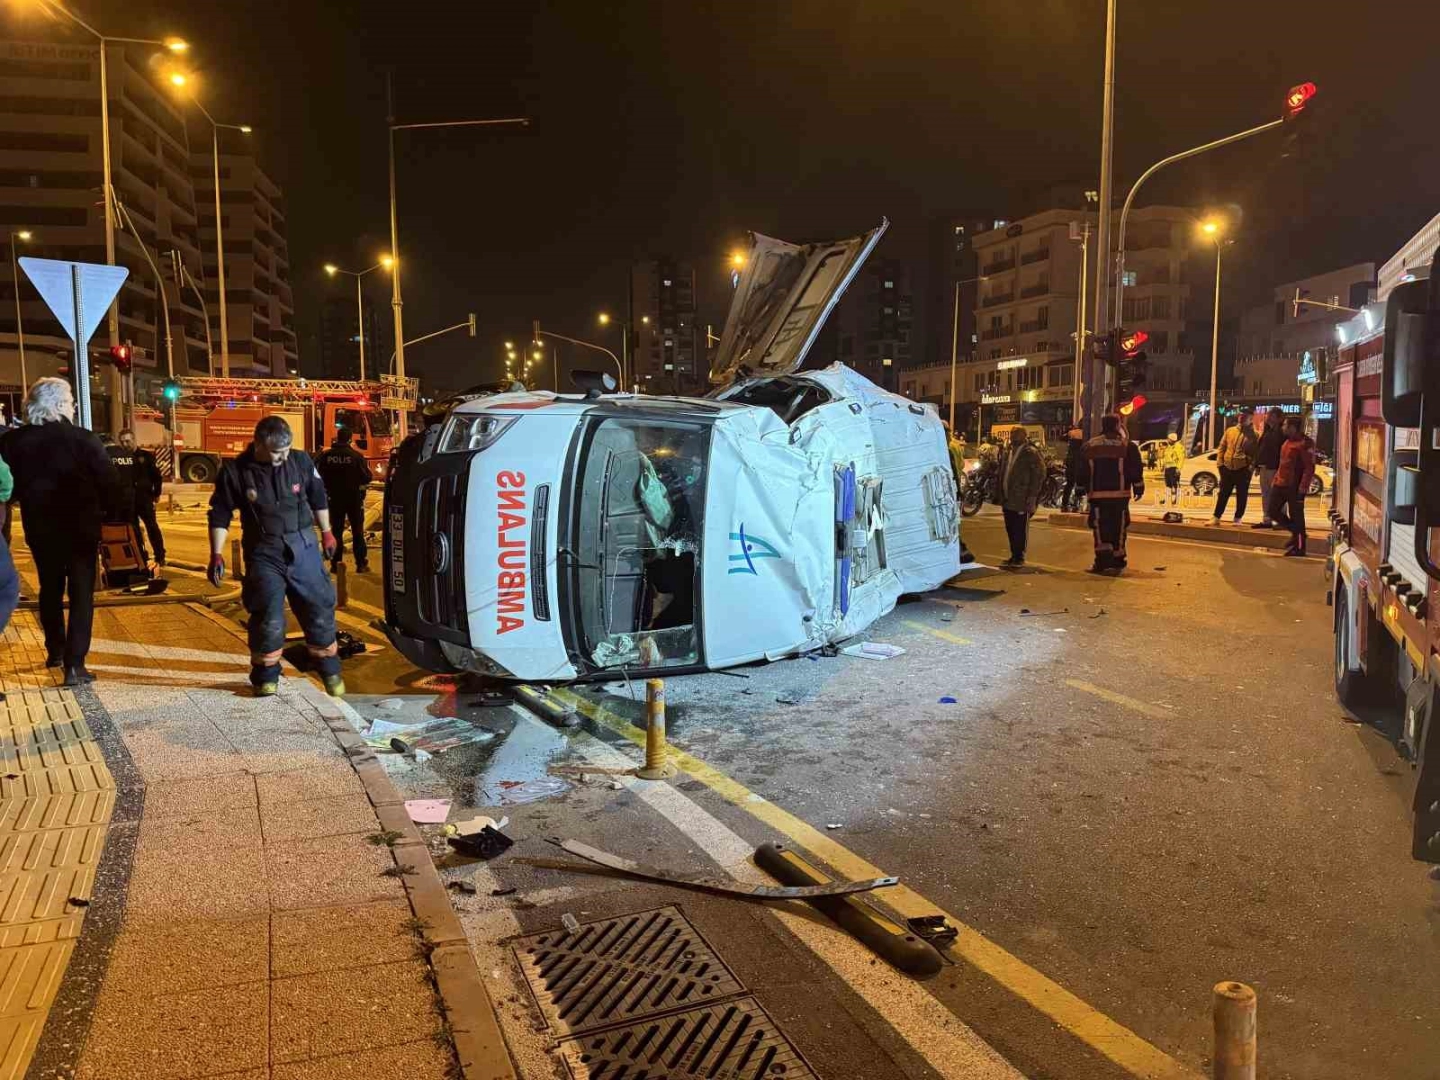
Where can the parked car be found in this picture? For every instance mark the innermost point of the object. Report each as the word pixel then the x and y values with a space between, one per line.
pixel 1202 475
pixel 540 536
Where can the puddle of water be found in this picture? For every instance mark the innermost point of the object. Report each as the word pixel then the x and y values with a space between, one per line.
pixel 519 768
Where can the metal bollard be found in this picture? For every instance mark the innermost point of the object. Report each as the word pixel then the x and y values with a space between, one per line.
pixel 1234 1031
pixel 236 570
pixel 656 767
pixel 342 586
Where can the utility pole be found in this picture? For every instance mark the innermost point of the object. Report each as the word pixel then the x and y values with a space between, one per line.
pixel 954 355
pixel 395 302
pixel 1099 391
pixel 1080 351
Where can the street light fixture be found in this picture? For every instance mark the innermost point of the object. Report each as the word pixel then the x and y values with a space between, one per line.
pixel 23 235
pixel 1214 230
pixel 384 263
pixel 605 320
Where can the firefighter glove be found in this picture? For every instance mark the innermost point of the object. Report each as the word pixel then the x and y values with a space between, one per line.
pixel 217 569
pixel 328 544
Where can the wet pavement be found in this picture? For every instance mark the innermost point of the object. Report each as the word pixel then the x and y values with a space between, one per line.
pixel 1142 786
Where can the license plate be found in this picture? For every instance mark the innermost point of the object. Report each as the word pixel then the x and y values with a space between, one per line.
pixel 397 549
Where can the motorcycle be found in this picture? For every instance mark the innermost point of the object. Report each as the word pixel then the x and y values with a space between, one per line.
pixel 976 485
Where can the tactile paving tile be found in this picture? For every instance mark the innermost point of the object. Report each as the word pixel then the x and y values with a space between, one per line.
pixel 68 811
pixel 730 1040
pixel 616 970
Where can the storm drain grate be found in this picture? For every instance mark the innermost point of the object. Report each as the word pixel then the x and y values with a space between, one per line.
pixel 617 970
pixel 733 1040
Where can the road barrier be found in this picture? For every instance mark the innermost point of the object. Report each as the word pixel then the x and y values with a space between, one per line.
pixel 1234 1031
pixel 342 586
pixel 656 749
pixel 236 570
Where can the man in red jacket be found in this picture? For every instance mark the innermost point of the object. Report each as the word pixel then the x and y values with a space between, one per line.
pixel 1292 481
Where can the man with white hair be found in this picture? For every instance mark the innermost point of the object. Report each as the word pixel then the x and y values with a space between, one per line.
pixel 66 487
pixel 280 498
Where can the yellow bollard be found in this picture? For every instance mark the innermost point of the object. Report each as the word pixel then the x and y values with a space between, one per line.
pixel 656 767
pixel 342 586
pixel 1234 1031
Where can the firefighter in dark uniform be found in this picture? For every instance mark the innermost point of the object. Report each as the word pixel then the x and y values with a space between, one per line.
pixel 280 498
pixel 140 483
pixel 1116 476
pixel 346 475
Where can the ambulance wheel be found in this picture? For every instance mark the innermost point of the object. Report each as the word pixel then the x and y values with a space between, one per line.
pixel 197 470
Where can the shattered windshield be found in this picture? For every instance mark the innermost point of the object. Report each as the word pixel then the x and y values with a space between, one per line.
pixel 640 510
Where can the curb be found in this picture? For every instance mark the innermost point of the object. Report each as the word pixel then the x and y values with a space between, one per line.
pixel 474 1026
pixel 143 601
pixel 1223 535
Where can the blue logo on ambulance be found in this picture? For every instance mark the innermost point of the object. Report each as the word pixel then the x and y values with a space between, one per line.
pixel 751 548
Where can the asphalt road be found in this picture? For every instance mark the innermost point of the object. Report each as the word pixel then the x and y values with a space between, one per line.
pixel 1144 786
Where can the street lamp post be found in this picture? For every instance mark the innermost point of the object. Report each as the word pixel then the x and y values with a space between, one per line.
pixel 385 263
pixel 1212 229
pixel 175 45
pixel 244 129
pixel 605 320
pixel 955 344
pixel 1098 383
pixel 584 345
pixel 22 234
pixel 396 303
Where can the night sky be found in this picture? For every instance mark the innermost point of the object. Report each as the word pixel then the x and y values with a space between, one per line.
pixel 675 128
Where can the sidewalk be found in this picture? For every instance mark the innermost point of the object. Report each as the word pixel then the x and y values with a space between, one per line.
pixel 212 874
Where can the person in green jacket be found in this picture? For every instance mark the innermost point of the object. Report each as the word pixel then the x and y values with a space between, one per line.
pixel 1172 460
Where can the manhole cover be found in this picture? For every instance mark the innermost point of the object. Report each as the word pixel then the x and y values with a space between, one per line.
pixel 620 969
pixel 733 1040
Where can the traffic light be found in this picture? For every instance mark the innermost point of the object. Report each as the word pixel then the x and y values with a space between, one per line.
pixel 1296 98
pixel 171 390
pixel 121 357
pixel 1131 363
pixel 1105 347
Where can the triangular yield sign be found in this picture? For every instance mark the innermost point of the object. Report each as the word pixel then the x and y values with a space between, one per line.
pixel 55 281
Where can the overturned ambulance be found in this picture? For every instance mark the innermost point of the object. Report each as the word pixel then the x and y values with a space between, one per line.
pixel 537 536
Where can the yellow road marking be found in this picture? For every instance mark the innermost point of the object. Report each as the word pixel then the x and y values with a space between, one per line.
pixel 360 605
pixel 1143 708
pixel 941 634
pixel 1095 1029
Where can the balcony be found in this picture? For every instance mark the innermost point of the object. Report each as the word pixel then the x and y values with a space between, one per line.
pixel 995 333
pixel 1038 255
pixel 1040 288
pixel 998 267
pixel 998 299
pixel 1034 327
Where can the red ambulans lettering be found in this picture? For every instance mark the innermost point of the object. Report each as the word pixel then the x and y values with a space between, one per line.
pixel 510 538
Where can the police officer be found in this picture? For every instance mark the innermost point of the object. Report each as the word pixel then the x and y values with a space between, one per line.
pixel 280 497
pixel 140 484
pixel 346 477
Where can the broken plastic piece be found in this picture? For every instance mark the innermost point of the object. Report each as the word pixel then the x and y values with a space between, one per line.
pixel 461 886
pixel 502 892
pixel 427 811
pixel 948 700
pixel 486 844
pixel 721 885
pixel 570 923
pixel 933 928
pixel 873 650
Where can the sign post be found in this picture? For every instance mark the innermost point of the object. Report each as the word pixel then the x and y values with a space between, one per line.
pixel 78 294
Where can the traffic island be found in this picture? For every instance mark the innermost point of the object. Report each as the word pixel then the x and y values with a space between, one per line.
pixel 1195 528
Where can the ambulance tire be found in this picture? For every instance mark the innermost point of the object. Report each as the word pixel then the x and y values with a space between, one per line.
pixel 1375 681
pixel 197 469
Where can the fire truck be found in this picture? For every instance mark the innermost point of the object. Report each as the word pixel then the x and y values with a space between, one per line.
pixel 1385 532
pixel 215 418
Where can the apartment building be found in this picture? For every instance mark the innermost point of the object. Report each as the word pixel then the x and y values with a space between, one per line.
pixel 953 268
pixel 50 186
pixel 1023 365
pixel 260 308
pixel 873 324
pixel 668 357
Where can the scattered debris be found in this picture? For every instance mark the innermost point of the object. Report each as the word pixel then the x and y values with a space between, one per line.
pixel 720 885
pixel 486 844
pixel 516 792
pixel 427 737
pixel 462 886
pixel 78 901
pixel 384 838
pixel 1038 614
pixel 503 892
pixel 933 928
pixel 793 698
pixel 734 675
pixel 1159 568
pixel 473 826
pixel 1097 614
pixel 491 698
pixel 873 650
pixel 616 785
pixel 390 704
pixel 1061 630
pixel 570 923
pixel 829 649
pixel 948 700
pixel 347 645
pixel 948 615
pixel 834 825
pixel 428 811
pixel 395 871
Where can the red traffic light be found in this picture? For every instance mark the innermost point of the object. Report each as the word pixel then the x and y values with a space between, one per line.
pixel 1297 97
pixel 1137 402
pixel 120 357
pixel 1130 343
